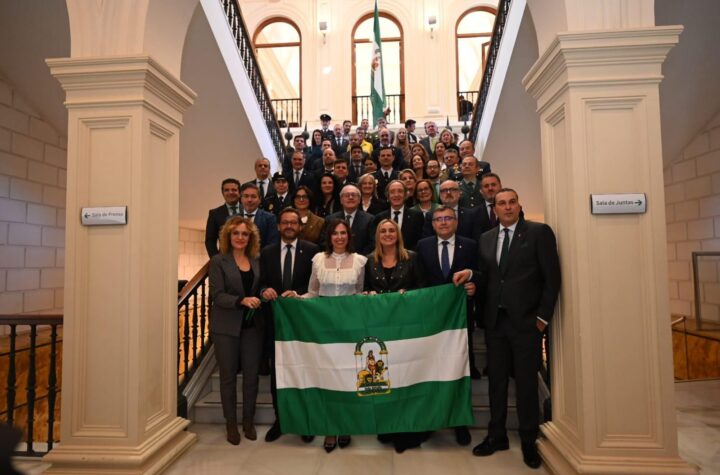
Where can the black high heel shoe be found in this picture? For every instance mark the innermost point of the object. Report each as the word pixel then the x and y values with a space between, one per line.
pixel 343 441
pixel 330 446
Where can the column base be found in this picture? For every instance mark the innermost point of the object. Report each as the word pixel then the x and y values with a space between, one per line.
pixel 562 457
pixel 152 456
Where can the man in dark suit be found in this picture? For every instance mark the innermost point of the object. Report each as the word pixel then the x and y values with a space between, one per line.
pixel 467 149
pixel 410 220
pixel 398 162
pixel 363 236
pixel 518 287
pixel 386 173
pixel 285 271
pixel 262 179
pixel 486 218
pixel 450 196
pixel 298 146
pixel 441 257
pixel 265 222
pixel 340 141
pixel 410 127
pixel 357 167
pixel 297 174
pixel 216 217
pixel 281 198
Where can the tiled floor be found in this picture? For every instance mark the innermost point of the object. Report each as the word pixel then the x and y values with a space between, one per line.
pixel 698 413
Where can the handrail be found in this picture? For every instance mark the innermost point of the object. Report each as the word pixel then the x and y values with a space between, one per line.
pixel 679 320
pixel 26 319
pixel 192 284
pixel 247 53
pixel 498 28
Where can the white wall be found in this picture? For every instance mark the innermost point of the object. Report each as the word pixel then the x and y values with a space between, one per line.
pixel 692 197
pixel 33 162
pixel 429 63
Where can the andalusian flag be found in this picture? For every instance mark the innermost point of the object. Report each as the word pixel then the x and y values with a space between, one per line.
pixel 373 364
pixel 377 80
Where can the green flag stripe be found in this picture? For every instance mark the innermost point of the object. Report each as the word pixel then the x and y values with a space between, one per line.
pixel 394 316
pixel 335 366
pixel 421 407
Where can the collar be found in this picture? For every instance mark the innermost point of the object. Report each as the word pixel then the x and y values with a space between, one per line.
pixel 293 244
pixel 511 227
pixel 450 240
pixel 345 213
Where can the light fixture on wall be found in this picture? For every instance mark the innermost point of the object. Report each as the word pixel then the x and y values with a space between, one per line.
pixel 323 27
pixel 432 21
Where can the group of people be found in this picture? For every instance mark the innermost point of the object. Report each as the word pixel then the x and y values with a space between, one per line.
pixel 322 228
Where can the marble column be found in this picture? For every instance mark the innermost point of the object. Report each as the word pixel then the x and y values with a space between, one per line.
pixel 612 387
pixel 120 330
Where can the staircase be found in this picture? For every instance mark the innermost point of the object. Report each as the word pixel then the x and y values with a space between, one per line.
pixel 208 410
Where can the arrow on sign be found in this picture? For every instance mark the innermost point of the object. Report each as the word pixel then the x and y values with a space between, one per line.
pixel 638 202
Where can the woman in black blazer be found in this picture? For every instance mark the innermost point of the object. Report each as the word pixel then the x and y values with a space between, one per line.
pixel 237 332
pixel 369 201
pixel 392 268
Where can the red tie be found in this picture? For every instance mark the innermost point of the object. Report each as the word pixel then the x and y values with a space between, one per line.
pixel 493 218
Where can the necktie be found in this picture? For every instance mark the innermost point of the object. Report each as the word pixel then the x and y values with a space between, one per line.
pixel 493 218
pixel 387 175
pixel 445 260
pixel 348 218
pixel 261 187
pixel 249 215
pixel 287 269
pixel 504 251
pixel 397 216
pixel 233 210
pixel 357 171
pixel 297 177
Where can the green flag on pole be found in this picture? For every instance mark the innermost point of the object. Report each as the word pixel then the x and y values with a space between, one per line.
pixel 373 364
pixel 377 80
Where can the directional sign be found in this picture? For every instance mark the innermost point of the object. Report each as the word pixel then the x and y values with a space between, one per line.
pixel 621 203
pixel 112 215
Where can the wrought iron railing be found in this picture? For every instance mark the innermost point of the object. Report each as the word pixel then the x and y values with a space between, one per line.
pixel 288 111
pixel 194 305
pixel 28 399
pixel 362 108
pixel 498 29
pixel 247 53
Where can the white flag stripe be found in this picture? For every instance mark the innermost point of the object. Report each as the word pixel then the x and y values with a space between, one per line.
pixel 440 357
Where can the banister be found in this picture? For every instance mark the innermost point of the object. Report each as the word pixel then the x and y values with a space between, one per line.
pixel 192 285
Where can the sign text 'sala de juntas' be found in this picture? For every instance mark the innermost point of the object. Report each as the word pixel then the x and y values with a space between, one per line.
pixel 618 203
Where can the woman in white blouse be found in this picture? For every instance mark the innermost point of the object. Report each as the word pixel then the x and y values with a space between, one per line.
pixel 337 271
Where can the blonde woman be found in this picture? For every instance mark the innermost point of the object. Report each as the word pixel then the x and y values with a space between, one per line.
pixel 237 332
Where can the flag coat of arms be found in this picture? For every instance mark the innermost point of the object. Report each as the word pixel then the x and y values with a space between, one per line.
pixel 373 364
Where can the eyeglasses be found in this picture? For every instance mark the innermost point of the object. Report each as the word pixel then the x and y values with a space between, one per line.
pixel 449 190
pixel 444 219
pixel 289 223
pixel 351 195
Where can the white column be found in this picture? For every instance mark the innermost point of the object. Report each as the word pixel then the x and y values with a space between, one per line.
pixel 120 328
pixel 612 388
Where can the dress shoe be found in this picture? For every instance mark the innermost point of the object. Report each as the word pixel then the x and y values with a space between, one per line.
pixel 490 445
pixel 233 436
pixel 462 435
pixel 475 373
pixel 307 438
pixel 273 433
pixel 330 444
pixel 249 430
pixel 385 438
pixel 530 455
pixel 343 441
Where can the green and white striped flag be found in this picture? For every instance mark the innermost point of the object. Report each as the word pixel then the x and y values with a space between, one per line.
pixel 373 364
pixel 377 80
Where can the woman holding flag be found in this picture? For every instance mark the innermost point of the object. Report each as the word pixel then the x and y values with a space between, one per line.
pixel 337 271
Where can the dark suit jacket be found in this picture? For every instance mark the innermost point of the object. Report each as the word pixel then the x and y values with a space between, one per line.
pixel 407 275
pixel 412 225
pixel 226 288
pixel 377 206
pixel 466 226
pixel 306 179
pixel 340 145
pixel 271 267
pixel 267 226
pixel 215 222
pixel 354 176
pixel 425 142
pixel 481 219
pixel 465 257
pixel 484 168
pixel 273 204
pixel 530 284
pixel 363 236
pixel 397 153
pixel 382 181
pixel 269 191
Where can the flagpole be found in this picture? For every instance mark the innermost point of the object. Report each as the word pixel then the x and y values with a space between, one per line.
pixel 377 77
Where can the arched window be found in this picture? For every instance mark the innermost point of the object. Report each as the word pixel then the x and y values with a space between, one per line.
pixel 472 36
pixel 391 36
pixel 278 47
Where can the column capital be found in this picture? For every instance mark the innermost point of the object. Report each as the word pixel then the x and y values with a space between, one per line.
pixel 122 81
pixel 600 58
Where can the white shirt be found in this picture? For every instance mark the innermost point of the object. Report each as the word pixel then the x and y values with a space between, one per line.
pixel 488 204
pixel 450 248
pixel 283 253
pixel 352 216
pixel 501 238
pixel 254 213
pixel 264 185
pixel 400 216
